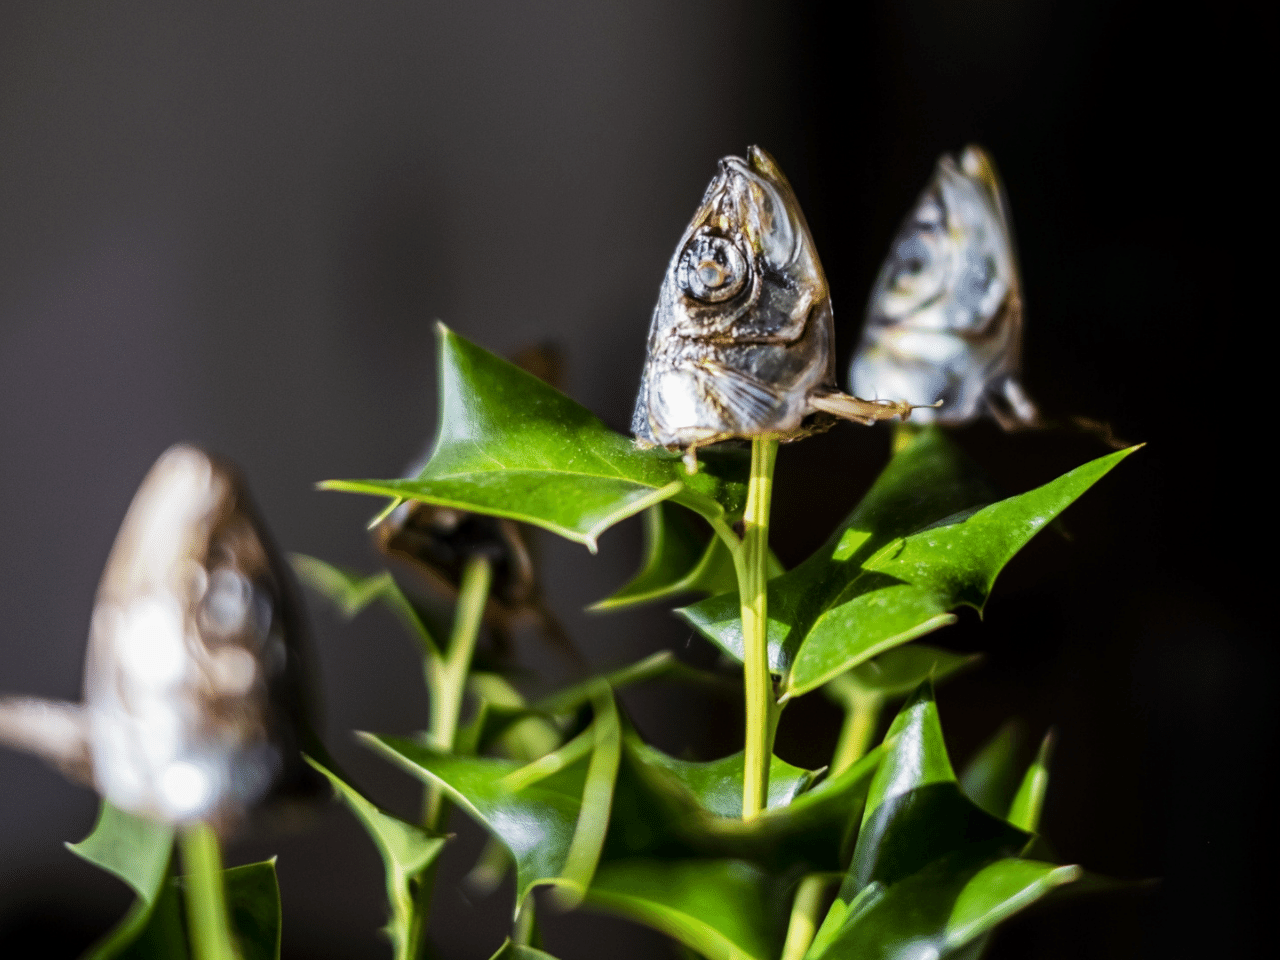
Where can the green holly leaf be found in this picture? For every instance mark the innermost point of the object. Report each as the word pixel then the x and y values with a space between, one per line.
pixel 407 852
pixel 716 785
pixel 918 546
pixel 551 814
pixel 915 810
pixel 352 592
pixel 680 558
pixel 721 909
pixel 515 951
pixel 504 708
pixel 509 445
pixel 930 868
pixel 135 849
pixel 663 804
pixel 1024 811
pixel 138 851
pixel 253 904
pixel 946 906
pixel 898 672
pixel 990 779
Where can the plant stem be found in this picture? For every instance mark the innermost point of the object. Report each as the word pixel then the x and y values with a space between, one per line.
pixel 862 713
pixel 526 925
pixel 903 434
pixel 451 679
pixel 210 927
pixel 447 679
pixel 752 565
pixel 804 916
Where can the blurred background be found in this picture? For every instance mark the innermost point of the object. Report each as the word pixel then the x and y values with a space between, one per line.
pixel 234 225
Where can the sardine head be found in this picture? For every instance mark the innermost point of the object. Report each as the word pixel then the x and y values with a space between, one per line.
pixel 742 331
pixel 945 315
pixel 193 683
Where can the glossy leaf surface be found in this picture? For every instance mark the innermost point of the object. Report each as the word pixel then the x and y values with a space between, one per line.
pixel 552 818
pixel 915 811
pixel 716 785
pixel 509 445
pixel 931 872
pixel 680 558
pixel 898 672
pixel 918 546
pixel 1024 810
pixel 407 851
pixel 665 804
pixel 940 909
pixel 722 909
pixel 535 824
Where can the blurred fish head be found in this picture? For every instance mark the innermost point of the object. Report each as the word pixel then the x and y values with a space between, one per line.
pixel 439 541
pixel 194 689
pixel 742 331
pixel 944 319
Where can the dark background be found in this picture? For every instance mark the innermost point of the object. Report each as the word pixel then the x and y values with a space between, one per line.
pixel 236 226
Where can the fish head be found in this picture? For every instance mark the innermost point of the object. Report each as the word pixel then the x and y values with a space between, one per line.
pixel 194 683
pixel 945 314
pixel 742 330
pixel 439 542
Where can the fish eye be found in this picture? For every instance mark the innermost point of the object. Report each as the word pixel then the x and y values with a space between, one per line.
pixel 712 269
pixel 913 258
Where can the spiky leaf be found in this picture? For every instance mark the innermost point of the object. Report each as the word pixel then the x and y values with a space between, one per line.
pixel 917 547
pixel 509 445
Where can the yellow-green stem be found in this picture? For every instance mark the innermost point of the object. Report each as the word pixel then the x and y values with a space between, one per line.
pixel 451 677
pixel 753 576
pixel 447 679
pixel 210 927
pixel 860 720
pixel 903 434
pixel 526 925
pixel 804 916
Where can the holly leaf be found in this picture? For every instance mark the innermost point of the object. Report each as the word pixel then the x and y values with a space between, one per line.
pixel 515 951
pixel 721 909
pixel 716 786
pixel 915 810
pixel 351 592
pixel 253 903
pixel 663 804
pixel 918 546
pixel 990 777
pixel 407 852
pixel 930 869
pixel 138 851
pixel 946 906
pixel 1024 810
pixel 898 672
pixel 680 558
pixel 551 814
pixel 511 446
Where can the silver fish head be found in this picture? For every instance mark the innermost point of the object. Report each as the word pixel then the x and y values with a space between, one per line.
pixel 194 684
pixel 944 320
pixel 742 332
